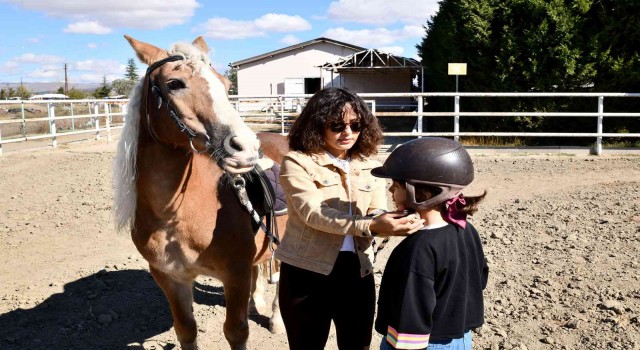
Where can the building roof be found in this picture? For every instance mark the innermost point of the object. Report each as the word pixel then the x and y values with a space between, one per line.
pixel 295 47
pixel 372 60
pixel 49 97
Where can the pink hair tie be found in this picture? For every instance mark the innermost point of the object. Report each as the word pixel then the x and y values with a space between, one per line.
pixel 453 214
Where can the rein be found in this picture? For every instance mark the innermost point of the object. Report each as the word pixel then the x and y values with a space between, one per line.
pixel 155 90
pixel 270 229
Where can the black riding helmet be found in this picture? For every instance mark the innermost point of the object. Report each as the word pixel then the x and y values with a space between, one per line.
pixel 434 161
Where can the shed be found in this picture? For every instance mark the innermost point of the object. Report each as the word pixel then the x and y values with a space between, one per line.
pixel 373 71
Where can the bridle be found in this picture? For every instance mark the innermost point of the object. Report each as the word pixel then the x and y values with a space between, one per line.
pixel 155 90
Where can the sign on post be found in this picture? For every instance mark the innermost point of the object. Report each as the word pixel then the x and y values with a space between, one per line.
pixel 457 69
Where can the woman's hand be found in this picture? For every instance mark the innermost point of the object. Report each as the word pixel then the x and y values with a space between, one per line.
pixel 396 223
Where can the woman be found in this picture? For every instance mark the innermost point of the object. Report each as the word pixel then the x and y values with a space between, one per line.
pixel 326 271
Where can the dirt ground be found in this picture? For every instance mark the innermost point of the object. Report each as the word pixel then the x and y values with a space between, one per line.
pixel 561 232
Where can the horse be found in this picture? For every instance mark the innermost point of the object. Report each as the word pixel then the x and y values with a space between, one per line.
pixel 181 151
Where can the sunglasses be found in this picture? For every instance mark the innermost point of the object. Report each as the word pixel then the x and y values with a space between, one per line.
pixel 340 126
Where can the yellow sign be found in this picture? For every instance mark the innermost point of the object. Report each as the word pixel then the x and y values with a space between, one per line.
pixel 457 69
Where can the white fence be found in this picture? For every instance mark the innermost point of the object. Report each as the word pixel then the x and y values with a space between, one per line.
pixel 278 112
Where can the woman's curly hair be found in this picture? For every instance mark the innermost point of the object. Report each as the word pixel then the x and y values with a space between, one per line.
pixel 328 106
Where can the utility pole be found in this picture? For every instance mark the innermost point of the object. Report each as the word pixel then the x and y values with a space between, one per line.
pixel 66 83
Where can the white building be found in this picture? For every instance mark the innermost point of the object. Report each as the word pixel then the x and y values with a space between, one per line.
pixel 292 70
pixel 312 65
pixel 49 97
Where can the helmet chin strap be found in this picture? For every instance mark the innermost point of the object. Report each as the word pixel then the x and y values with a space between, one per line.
pixel 448 192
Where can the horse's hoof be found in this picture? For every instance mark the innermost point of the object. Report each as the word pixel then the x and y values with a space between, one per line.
pixel 189 346
pixel 276 328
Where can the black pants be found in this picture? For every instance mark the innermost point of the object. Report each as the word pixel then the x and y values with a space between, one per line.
pixel 309 301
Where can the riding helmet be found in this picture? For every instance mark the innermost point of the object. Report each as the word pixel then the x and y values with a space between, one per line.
pixel 435 161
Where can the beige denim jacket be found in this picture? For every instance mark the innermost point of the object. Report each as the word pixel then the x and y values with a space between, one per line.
pixel 318 207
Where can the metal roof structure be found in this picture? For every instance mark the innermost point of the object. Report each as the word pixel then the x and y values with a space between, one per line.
pixel 372 61
pixel 295 47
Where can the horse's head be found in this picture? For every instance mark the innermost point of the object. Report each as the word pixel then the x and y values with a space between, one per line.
pixel 185 104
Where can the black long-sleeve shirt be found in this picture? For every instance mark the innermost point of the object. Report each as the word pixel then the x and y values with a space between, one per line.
pixel 432 287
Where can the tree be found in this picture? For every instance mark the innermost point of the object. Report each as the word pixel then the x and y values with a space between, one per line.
pixel 513 46
pixel 123 86
pixel 76 94
pixel 232 75
pixel 104 90
pixel 3 94
pixel 23 92
pixel 132 71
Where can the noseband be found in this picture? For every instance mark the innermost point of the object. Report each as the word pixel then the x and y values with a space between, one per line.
pixel 155 90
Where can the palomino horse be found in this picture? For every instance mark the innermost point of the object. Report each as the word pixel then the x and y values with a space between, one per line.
pixel 182 143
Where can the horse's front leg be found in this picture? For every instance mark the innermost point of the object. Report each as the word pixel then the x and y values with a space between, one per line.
pixel 180 297
pixel 236 292
pixel 257 304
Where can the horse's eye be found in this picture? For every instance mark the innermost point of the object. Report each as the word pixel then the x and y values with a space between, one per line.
pixel 176 84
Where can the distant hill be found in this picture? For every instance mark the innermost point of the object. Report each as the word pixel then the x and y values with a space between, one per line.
pixel 41 88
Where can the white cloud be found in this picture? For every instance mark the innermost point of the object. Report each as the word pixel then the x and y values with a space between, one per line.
pixel 383 11
pixel 87 27
pixel 48 72
pixel 104 66
pixel 228 29
pixel 143 14
pixel 374 38
pixel 273 22
pixel 290 40
pixel 30 58
pixel 394 50
pixel 95 78
pixel 33 40
pixel 92 45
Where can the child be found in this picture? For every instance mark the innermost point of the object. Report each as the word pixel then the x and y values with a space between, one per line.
pixel 431 290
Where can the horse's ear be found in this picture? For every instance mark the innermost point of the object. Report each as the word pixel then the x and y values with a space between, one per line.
pixel 147 53
pixel 201 44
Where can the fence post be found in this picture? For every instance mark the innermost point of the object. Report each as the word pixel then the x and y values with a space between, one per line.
pixel 282 114
pixel 96 110
pixel 420 107
pixel 107 121
pixel 73 124
pixel 599 128
pixel 24 122
pixel 52 124
pixel 456 118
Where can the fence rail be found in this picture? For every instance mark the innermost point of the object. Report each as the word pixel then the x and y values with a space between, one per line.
pixel 279 111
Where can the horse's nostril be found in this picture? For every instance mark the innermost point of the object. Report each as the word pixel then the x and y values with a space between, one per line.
pixel 234 144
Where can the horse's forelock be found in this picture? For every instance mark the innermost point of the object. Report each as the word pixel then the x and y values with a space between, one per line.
pixel 124 167
pixel 194 58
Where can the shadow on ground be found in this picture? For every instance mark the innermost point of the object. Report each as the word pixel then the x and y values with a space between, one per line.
pixel 106 310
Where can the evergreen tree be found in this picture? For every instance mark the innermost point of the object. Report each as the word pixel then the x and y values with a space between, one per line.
pixel 232 75
pixel 104 90
pixel 132 71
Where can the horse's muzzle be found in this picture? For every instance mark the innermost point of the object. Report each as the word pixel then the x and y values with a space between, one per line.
pixel 242 155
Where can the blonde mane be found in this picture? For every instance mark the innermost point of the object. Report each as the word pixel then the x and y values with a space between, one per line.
pixel 124 166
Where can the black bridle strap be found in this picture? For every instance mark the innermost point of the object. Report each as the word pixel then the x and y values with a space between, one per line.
pixel 155 90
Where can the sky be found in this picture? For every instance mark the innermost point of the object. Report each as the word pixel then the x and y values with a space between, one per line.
pixel 38 37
